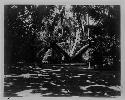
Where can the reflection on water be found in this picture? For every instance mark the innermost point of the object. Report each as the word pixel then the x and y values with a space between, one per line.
pixel 60 81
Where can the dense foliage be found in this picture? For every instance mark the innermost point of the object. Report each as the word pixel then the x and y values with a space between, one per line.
pixel 30 30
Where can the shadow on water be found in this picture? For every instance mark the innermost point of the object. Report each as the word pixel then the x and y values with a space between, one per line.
pixel 61 81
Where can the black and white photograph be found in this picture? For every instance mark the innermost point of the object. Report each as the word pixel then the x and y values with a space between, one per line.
pixel 62 50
